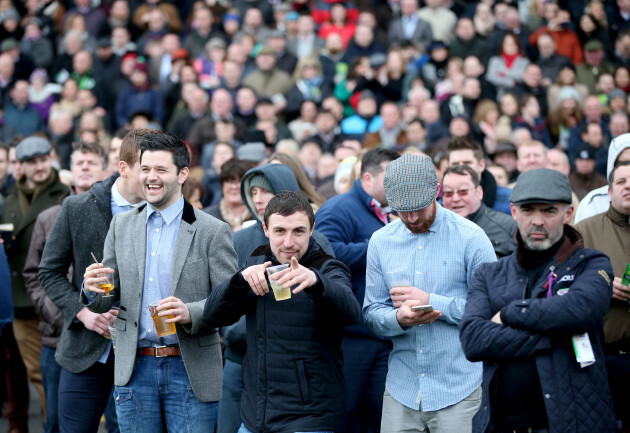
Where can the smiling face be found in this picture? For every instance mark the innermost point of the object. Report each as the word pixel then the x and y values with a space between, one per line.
pixel 288 235
pixel 540 224
pixel 460 194
pixel 160 179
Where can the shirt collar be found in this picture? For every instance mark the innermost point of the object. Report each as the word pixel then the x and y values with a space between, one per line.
pixel 120 200
pixel 170 213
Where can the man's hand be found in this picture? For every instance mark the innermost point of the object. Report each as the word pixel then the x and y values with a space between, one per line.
pixel 620 291
pixel 407 317
pixel 405 293
pixel 296 274
pixel 97 322
pixel 256 278
pixel 175 306
pixel 497 318
pixel 94 276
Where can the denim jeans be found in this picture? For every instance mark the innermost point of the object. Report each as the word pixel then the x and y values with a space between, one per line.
pixel 244 429
pixel 158 384
pixel 51 371
pixel 230 404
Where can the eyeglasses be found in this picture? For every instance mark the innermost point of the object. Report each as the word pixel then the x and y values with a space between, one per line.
pixel 460 192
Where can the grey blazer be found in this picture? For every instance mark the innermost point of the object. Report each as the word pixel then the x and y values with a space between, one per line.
pixel 203 258
pixel 422 35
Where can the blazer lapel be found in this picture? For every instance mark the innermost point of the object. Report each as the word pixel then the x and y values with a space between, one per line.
pixel 182 246
pixel 140 242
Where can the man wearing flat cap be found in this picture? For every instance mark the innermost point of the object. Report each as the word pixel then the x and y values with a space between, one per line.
pixel 426 258
pixel 38 189
pixel 535 320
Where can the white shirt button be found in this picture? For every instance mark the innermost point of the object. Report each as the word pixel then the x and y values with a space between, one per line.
pixel 422 375
pixel 150 279
pixel 420 350
pixel 420 247
pixel 417 272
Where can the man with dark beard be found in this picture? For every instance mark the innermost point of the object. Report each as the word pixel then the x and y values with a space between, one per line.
pixel 427 258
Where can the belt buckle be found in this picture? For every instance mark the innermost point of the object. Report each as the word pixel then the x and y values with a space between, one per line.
pixel 155 351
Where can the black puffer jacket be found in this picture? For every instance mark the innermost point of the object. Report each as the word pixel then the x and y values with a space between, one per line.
pixel 292 374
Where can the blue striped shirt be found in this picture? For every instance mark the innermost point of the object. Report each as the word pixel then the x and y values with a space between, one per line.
pixel 162 229
pixel 427 365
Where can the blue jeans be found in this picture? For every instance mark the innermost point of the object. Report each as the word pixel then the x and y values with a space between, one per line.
pixel 161 384
pixel 230 404
pixel 51 371
pixel 243 429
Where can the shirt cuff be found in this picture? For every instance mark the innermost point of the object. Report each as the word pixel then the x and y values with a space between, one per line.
pixel 90 296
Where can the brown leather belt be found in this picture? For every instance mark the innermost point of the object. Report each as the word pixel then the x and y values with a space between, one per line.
pixel 159 351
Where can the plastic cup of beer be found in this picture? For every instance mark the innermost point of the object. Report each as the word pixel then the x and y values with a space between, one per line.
pixel 161 327
pixel 398 277
pixel 281 293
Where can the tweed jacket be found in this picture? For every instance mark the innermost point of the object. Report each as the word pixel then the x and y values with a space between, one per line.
pixel 80 228
pixel 204 257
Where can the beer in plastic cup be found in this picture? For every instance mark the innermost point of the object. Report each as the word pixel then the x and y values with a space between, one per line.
pixel 161 327
pixel 281 293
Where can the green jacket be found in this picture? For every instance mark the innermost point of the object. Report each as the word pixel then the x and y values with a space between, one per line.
pixel 23 224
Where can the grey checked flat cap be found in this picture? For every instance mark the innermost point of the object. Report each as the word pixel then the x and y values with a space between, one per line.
pixel 542 185
pixel 32 147
pixel 410 183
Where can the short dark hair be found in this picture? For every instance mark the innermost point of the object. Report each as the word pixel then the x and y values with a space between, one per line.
pixel 159 140
pixel 287 203
pixel 464 143
pixel 611 176
pixel 463 170
pixel 234 169
pixel 371 161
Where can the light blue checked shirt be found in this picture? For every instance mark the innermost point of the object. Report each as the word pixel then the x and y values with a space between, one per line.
pixel 427 365
pixel 162 229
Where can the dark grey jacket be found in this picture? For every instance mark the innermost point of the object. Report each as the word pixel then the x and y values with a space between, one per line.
pixel 80 228
pixel 499 227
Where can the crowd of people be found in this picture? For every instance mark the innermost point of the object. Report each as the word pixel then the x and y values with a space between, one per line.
pixel 388 151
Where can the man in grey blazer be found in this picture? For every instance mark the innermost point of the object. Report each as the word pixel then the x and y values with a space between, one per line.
pixel 171 253
pixel 409 27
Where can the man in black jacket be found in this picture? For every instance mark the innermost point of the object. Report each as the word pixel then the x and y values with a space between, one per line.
pixel 292 379
pixel 462 194
pixel 535 320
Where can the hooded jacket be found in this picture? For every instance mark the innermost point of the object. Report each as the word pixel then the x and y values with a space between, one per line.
pixel 248 239
pixel 282 179
pixel 597 201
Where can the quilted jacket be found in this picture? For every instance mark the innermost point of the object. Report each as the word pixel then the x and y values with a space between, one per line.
pixel 576 399
pixel 292 372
